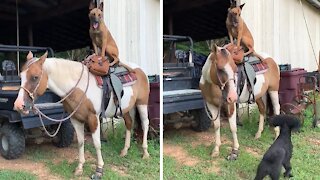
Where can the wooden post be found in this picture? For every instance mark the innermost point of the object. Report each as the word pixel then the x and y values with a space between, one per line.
pixel 319 63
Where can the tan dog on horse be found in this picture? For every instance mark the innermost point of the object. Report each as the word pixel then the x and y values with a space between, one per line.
pixel 100 35
pixel 237 28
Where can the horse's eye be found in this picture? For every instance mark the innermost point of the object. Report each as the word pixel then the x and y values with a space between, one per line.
pixel 35 78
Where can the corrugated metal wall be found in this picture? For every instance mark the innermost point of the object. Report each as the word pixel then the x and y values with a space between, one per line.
pixel 279 29
pixel 135 25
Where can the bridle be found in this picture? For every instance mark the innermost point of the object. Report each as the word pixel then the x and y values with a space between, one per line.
pixel 222 88
pixel 41 114
pixel 31 94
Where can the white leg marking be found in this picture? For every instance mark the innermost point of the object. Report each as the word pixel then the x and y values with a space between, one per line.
pixel 79 128
pixel 233 127
pixel 261 124
pixel 97 144
pixel 214 112
pixel 143 112
pixel 124 151
pixel 276 108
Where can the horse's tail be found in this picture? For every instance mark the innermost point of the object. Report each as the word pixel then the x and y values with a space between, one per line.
pixel 138 128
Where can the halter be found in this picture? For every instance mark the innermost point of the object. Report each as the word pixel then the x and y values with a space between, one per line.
pixel 223 84
pixel 31 94
pixel 41 114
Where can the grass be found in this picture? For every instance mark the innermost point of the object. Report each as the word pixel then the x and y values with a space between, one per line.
pixel 16 175
pixel 305 157
pixel 131 167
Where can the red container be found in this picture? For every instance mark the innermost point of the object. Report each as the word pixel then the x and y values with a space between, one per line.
pixel 286 96
pixel 154 105
pixel 290 79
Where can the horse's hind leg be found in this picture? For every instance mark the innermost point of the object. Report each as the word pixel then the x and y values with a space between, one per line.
pixel 128 121
pixel 262 112
pixel 143 112
pixel 276 107
pixel 96 142
pixel 79 128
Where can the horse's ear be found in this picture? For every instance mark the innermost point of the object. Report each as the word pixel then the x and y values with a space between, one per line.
pixel 101 6
pixel 214 48
pixel 43 58
pixel 241 6
pixel 29 56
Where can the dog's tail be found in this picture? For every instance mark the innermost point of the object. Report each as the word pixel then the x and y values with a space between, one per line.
pixel 290 121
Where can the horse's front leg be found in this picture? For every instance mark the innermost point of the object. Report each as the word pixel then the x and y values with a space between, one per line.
pixel 97 144
pixel 143 112
pixel 233 127
pixel 216 120
pixel 79 128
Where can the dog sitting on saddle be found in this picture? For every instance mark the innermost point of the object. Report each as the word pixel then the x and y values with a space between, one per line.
pixel 102 40
pixel 280 152
pixel 237 28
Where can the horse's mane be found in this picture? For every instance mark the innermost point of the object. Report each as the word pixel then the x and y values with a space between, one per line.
pixel 63 66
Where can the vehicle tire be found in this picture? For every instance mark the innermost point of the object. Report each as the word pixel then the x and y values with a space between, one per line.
pixel 64 137
pixel 12 141
pixel 202 121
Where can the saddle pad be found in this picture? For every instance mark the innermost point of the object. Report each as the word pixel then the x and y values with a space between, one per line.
pixel 259 67
pixel 126 79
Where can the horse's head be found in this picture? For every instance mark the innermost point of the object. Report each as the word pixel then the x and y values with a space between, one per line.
pixel 33 83
pixel 225 71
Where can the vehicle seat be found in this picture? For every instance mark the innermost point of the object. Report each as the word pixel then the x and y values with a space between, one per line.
pixel 9 70
pixel 181 55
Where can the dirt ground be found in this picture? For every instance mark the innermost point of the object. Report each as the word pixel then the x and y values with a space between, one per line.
pixel 38 168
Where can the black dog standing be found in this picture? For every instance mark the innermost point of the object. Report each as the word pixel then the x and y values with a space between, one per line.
pixel 280 152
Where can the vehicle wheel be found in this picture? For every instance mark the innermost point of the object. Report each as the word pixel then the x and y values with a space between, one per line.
pixel 12 141
pixel 202 121
pixel 64 137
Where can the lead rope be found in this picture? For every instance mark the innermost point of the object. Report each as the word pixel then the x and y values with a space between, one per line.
pixel 41 114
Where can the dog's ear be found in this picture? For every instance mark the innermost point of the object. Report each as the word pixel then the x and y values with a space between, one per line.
pixel 101 6
pixel 241 6
pixel 92 5
pixel 233 3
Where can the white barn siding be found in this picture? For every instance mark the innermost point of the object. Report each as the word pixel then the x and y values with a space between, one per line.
pixel 278 29
pixel 135 26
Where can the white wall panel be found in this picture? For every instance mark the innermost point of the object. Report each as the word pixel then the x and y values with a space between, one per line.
pixel 135 25
pixel 279 29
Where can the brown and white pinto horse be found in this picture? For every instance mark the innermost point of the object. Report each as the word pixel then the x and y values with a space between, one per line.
pixel 61 76
pixel 267 82
pixel 217 86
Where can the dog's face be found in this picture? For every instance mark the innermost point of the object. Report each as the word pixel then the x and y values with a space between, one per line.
pixel 234 14
pixel 96 16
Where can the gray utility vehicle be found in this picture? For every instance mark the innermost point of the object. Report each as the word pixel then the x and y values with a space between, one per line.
pixel 16 128
pixel 182 99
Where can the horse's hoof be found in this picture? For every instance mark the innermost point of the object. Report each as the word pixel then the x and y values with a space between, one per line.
pixel 146 156
pixel 123 153
pixel 233 155
pixel 78 172
pixel 215 154
pixel 98 174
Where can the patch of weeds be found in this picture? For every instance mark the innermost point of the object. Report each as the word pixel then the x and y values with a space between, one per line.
pixel 16 175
